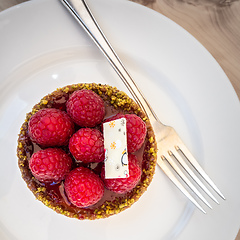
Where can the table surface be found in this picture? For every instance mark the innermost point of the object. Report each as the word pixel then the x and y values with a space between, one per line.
pixel 214 23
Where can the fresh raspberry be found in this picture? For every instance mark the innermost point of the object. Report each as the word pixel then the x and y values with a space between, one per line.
pixel 136 130
pixel 50 127
pixel 50 165
pixel 123 185
pixel 86 108
pixel 87 145
pixel 83 187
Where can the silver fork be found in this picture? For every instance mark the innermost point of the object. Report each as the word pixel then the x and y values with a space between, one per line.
pixel 171 149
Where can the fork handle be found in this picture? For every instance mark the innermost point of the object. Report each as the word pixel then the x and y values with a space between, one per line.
pixel 80 10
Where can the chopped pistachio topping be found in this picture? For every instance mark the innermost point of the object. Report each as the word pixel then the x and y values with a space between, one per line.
pixel 118 100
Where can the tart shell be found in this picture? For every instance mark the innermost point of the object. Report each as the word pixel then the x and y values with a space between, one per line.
pixel 116 100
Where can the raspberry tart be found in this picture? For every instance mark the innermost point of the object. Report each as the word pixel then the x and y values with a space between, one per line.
pixel 61 152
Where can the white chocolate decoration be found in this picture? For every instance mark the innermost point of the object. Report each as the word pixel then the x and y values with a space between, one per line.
pixel 115 146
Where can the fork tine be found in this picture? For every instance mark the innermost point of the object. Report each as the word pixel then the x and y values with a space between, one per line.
pixel 171 176
pixel 199 169
pixel 184 178
pixel 192 174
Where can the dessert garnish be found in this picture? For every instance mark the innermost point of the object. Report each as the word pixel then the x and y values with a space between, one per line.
pixel 115 147
pixel 124 185
pixel 86 145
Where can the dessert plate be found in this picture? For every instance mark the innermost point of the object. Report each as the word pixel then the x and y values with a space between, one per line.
pixel 43 48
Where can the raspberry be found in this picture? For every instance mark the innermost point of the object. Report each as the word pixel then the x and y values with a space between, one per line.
pixel 136 130
pixel 50 165
pixel 87 145
pixel 50 127
pixel 86 108
pixel 123 185
pixel 83 187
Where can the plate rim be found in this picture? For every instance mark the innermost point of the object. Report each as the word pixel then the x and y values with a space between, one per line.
pixel 33 2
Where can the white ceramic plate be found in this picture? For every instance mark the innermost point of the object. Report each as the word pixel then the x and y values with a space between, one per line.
pixel 42 48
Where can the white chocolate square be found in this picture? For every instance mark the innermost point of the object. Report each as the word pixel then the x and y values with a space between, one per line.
pixel 115 146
